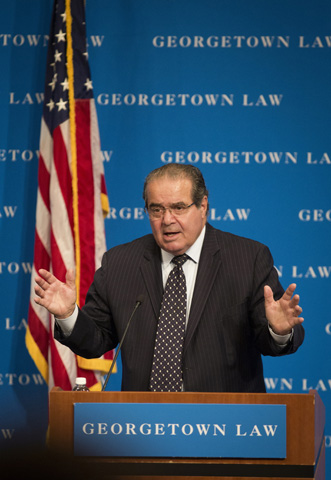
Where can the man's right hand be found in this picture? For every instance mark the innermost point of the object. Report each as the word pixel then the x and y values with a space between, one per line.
pixel 59 298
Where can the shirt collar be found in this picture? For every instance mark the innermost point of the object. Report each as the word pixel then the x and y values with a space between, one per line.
pixel 193 252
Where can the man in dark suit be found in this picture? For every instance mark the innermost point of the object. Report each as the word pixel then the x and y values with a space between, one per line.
pixel 236 308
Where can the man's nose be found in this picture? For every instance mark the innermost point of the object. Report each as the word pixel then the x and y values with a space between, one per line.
pixel 168 217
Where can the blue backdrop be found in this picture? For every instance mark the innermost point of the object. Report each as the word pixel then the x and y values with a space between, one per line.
pixel 239 88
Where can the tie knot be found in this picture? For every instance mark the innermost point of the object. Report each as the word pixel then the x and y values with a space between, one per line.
pixel 179 260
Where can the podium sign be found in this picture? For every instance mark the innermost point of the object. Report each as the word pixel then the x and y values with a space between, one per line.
pixel 180 430
pixel 305 442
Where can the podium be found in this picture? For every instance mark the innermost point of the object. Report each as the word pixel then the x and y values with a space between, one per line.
pixel 305 420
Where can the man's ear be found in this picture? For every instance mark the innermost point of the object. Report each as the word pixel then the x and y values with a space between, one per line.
pixel 204 205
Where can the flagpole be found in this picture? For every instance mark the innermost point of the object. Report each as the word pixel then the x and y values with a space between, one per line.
pixel 73 149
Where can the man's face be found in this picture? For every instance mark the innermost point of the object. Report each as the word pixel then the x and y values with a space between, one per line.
pixel 175 234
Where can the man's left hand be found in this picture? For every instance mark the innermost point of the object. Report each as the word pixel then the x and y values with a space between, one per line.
pixel 282 314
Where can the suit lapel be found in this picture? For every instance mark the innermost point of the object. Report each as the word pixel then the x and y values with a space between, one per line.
pixel 152 276
pixel 209 265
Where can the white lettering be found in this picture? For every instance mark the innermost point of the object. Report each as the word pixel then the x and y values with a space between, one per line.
pixel 230 157
pixel 168 99
pixel 322 385
pixel 159 429
pixel 126 213
pixel 255 431
pixel 102 429
pixel 284 383
pixel 317 42
pixel 239 434
pixel 97 40
pixel 203 429
pixel 144 431
pixel 27 99
pixel 15 154
pixel 187 429
pixel 22 325
pixel 106 155
pixel 173 427
pixel 270 100
pixel 270 429
pixel 130 429
pixel 19 40
pixel 315 215
pixel 88 428
pixel 325 158
pixel 218 428
pixel 33 40
pixel 38 379
pixel 238 214
pixel 224 41
pixel 279 270
pixel 320 271
pixel 22 379
pixel 103 99
pixel 116 429
pixel 305 388
pixel 7 433
pixel 5 37
pixel 8 211
pixel 14 267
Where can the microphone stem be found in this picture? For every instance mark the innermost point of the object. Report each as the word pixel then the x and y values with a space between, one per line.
pixel 120 345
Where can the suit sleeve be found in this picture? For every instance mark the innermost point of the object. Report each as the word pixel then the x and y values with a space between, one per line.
pixel 94 332
pixel 266 274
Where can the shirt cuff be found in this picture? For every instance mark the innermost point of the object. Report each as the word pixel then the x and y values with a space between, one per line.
pixel 67 324
pixel 281 340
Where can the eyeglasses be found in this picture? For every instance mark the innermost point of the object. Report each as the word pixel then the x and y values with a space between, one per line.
pixel 176 210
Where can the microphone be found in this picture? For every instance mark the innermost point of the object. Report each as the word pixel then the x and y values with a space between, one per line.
pixel 139 301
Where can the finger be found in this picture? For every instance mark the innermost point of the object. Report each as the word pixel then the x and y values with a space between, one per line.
pixel 42 283
pixel 298 310
pixel 39 291
pixel 294 301
pixel 268 294
pixel 47 276
pixel 39 300
pixel 38 280
pixel 289 292
pixel 298 320
pixel 70 278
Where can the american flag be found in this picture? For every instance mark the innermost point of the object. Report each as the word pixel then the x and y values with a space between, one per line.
pixel 72 198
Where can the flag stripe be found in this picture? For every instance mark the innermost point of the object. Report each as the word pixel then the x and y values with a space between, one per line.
pixel 86 205
pixel 38 332
pixel 36 355
pixel 41 256
pixel 58 265
pixel 46 145
pixel 59 366
pixel 63 178
pixel 44 179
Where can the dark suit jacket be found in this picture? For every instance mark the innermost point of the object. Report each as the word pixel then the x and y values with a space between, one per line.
pixel 227 329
